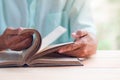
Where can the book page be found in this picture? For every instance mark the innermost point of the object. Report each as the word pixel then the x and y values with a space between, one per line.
pixel 55 47
pixel 35 46
pixel 49 50
pixel 50 38
pixel 53 61
pixel 10 58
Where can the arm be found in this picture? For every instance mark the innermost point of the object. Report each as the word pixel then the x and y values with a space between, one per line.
pixel 83 31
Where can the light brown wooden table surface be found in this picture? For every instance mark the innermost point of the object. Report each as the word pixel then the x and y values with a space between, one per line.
pixel 105 65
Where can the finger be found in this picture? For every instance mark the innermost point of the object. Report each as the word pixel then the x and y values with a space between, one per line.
pixel 27 34
pixel 22 45
pixel 12 40
pixel 76 45
pixel 69 48
pixel 79 34
pixel 74 35
pixel 13 31
pixel 81 53
pixel 17 39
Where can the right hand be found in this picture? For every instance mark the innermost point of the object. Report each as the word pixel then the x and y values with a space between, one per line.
pixel 12 40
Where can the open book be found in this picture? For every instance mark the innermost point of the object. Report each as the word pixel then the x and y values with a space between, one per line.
pixel 41 53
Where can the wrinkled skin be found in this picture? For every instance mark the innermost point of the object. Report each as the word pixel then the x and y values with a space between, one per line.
pixel 85 43
pixel 84 46
pixel 11 39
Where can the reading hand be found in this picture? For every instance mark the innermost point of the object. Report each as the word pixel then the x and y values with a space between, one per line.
pixel 12 40
pixel 85 45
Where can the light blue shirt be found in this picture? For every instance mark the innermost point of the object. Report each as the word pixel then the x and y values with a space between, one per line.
pixel 46 15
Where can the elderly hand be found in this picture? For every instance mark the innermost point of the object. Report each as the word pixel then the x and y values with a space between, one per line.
pixel 84 46
pixel 12 40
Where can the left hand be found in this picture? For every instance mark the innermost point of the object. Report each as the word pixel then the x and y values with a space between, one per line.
pixel 12 40
pixel 84 46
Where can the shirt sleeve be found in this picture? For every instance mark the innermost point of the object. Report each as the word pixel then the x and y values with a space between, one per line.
pixel 81 17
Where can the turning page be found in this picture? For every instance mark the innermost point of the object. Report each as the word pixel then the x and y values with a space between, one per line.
pixel 50 38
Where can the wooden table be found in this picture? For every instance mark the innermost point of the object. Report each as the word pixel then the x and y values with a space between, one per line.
pixel 105 65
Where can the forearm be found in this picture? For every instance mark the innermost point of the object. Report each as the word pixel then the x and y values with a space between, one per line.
pixel 2 44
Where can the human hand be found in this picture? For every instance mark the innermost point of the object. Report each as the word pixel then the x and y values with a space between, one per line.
pixel 12 40
pixel 84 46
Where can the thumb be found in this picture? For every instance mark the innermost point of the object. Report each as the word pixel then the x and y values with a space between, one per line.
pixel 79 34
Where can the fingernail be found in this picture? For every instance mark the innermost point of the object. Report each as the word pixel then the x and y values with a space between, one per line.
pixel 79 32
pixel 60 51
